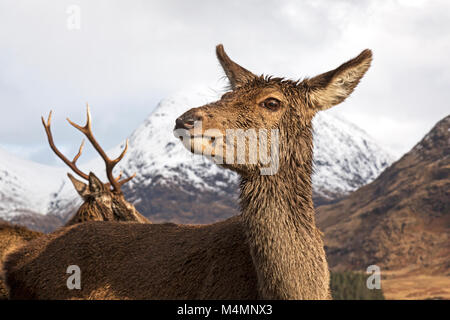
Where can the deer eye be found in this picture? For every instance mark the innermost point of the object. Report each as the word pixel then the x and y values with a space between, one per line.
pixel 271 104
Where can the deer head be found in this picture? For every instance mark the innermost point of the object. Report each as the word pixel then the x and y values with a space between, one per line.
pixel 280 109
pixel 102 201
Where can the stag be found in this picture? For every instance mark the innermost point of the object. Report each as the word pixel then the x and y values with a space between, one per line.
pixel 102 201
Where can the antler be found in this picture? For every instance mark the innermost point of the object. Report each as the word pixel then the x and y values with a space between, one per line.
pixel 116 183
pixel 71 164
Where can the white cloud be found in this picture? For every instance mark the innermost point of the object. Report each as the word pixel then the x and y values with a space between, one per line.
pixel 129 55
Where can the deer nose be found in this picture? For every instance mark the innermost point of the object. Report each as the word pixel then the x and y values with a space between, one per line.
pixel 188 120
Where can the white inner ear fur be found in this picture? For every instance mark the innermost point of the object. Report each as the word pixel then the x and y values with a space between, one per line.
pixel 340 86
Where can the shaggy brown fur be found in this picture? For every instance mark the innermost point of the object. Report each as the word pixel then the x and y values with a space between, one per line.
pixel 100 204
pixel 273 250
pixel 183 262
pixel 11 237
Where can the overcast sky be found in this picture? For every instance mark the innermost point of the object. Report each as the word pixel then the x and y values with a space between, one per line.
pixel 128 55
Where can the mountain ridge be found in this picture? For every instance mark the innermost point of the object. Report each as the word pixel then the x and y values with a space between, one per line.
pixel 402 218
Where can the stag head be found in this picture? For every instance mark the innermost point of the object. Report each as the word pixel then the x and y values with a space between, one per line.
pixel 102 201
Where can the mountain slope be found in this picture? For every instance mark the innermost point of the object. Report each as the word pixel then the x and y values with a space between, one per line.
pixel 25 185
pixel 33 194
pixel 400 220
pixel 345 158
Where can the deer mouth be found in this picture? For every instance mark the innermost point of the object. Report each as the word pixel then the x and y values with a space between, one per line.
pixel 206 140
pixel 204 144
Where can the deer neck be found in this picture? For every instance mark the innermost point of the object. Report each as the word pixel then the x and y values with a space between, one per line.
pixel 286 247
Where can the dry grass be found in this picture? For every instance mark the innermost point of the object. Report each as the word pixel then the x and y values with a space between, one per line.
pixel 406 284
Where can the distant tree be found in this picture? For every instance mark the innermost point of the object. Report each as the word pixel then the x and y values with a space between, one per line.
pixel 350 285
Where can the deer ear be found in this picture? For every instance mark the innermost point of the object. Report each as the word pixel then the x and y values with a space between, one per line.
pixel 332 87
pixel 80 186
pixel 235 73
pixel 95 184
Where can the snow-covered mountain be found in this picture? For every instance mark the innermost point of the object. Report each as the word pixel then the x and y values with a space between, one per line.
pixel 155 153
pixel 345 156
pixel 173 184
pixel 29 190
pixel 25 185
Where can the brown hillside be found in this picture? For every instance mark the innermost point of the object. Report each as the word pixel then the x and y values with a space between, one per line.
pixel 400 220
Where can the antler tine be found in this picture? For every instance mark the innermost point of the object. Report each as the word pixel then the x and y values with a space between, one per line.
pixel 120 157
pixel 127 179
pixel 71 164
pixel 110 163
pixel 115 161
pixel 87 129
pixel 79 152
pixel 119 176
